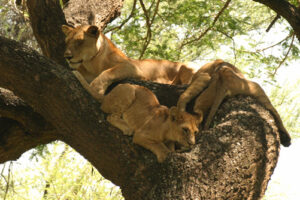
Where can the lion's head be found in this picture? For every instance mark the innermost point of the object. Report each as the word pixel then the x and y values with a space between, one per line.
pixel 83 43
pixel 183 127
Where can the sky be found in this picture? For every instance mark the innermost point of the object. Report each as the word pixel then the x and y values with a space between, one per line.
pixel 285 181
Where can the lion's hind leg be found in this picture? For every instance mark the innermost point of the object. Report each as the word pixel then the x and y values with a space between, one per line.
pixel 237 84
pixel 256 91
pixel 220 95
pixel 119 99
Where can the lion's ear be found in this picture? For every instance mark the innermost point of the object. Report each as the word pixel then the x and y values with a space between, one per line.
pixel 173 113
pixel 66 29
pixel 93 31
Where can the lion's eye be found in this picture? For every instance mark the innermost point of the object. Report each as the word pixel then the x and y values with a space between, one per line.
pixel 185 130
pixel 78 42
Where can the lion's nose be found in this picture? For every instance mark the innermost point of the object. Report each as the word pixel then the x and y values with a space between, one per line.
pixel 192 141
pixel 68 55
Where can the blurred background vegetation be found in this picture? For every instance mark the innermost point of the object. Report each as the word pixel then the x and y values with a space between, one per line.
pixel 180 30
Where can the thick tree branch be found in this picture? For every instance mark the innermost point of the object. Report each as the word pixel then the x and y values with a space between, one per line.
pixel 13 107
pixel 93 12
pixel 288 11
pixel 235 151
pixel 46 18
pixel 21 128
pixel 234 160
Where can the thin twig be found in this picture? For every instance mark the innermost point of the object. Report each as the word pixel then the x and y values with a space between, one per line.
pixel 7 181
pixel 126 20
pixel 149 24
pixel 285 57
pixel 145 12
pixel 275 43
pixel 273 22
pixel 233 44
pixel 210 27
pixel 155 12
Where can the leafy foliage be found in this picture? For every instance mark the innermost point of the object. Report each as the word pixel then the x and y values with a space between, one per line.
pixel 63 174
pixel 14 23
pixel 287 101
pixel 179 30
pixel 238 35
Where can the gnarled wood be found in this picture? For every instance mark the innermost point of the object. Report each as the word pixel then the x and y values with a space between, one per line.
pixel 234 160
pixel 93 12
pixel 21 128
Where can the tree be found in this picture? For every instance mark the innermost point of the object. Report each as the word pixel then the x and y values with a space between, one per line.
pixel 234 160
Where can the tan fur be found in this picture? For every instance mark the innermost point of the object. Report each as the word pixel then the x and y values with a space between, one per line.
pixel 101 63
pixel 223 79
pixel 135 110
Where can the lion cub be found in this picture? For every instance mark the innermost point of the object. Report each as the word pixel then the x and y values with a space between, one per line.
pixel 135 110
pixel 222 79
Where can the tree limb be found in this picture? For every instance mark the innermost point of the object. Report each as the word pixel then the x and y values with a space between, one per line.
pixel 209 28
pixel 126 20
pixel 21 128
pixel 288 11
pixel 234 160
pixel 272 23
pixel 92 12
pixel 235 150
pixel 51 42
pixel 285 57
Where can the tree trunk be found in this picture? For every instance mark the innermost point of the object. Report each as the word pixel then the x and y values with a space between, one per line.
pixel 233 160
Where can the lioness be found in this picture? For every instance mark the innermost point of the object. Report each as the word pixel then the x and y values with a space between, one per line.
pixel 135 110
pixel 223 79
pixel 101 63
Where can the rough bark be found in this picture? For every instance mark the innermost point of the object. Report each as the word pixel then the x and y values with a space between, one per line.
pixel 99 12
pixel 21 128
pixel 46 18
pixel 234 160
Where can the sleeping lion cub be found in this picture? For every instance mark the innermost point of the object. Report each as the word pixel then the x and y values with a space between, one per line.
pixel 222 79
pixel 101 63
pixel 135 110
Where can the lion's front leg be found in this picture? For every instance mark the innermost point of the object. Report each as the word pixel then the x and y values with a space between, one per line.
pixel 170 145
pixel 86 86
pixel 158 148
pixel 196 87
pixel 117 73
pixel 117 121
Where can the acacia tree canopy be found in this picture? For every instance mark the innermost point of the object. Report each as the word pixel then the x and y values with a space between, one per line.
pixel 234 160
